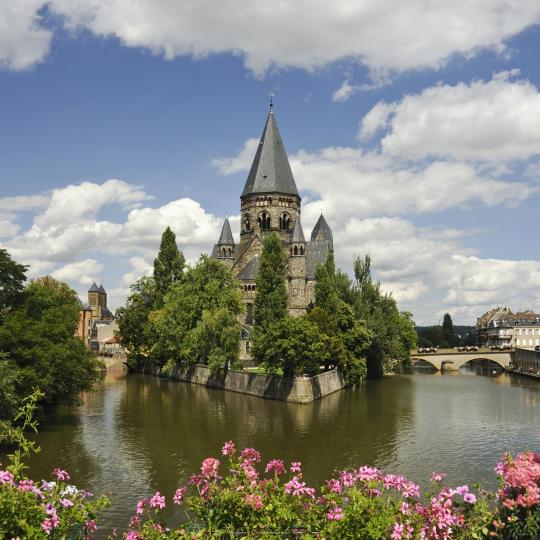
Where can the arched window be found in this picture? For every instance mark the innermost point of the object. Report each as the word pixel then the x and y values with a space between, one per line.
pixel 301 250
pixel 246 225
pixel 296 250
pixel 230 252
pixel 264 221
pixel 284 221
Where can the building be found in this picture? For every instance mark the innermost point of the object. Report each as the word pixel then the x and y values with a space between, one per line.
pixel 92 311
pixel 501 327
pixel 270 203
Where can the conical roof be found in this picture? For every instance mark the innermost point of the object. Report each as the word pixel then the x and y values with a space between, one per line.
pixel 102 290
pixel 270 171
pixel 226 237
pixel 93 288
pixel 298 232
pixel 322 228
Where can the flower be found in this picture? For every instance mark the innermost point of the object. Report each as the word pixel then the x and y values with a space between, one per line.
pixel 469 498
pixel 179 495
pixel 296 466
pixel 66 503
pixel 91 525
pixel 334 486
pixel 275 465
pixel 60 474
pixel 157 500
pixel 210 467
pixel 141 505
pixel 251 455
pixel 397 531
pixel 228 449
pixel 255 501
pixel 6 477
pixel 437 477
pixel 334 514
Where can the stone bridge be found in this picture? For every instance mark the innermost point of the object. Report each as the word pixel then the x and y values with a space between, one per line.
pixel 452 361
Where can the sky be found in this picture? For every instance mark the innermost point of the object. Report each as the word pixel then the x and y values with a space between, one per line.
pixel 414 126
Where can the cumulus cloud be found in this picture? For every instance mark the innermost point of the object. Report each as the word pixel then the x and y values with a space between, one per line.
pixel 23 202
pixel 386 36
pixel 344 92
pixel 23 41
pixel 495 120
pixel 240 162
pixel 83 272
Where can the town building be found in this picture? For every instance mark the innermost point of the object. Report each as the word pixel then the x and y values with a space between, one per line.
pixel 270 203
pixel 93 312
pixel 501 327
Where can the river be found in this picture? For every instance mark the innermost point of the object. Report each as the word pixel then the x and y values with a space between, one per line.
pixel 137 434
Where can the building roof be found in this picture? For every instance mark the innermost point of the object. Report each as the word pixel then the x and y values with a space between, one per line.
pixel 316 253
pixel 102 290
pixel 322 228
pixel 298 233
pixel 249 272
pixel 270 171
pixel 226 237
pixel 94 288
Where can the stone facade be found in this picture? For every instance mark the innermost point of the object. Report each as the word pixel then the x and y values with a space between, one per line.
pixel 270 203
pixel 93 312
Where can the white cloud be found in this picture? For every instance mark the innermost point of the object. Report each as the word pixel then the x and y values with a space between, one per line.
pixel 139 267
pixel 22 203
pixel 344 92
pixel 23 42
pixel 7 227
pixel 240 162
pixel 391 35
pixel 497 120
pixel 84 272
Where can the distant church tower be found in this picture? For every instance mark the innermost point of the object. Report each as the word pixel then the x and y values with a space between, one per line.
pixel 270 203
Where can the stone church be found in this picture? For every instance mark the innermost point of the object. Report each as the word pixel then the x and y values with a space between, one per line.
pixel 270 203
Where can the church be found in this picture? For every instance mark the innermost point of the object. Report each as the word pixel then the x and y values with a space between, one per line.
pixel 270 203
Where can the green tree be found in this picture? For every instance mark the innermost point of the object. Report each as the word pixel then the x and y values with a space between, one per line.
pixel 326 294
pixel 271 298
pixel 207 287
pixel 39 336
pixel 134 325
pixel 12 278
pixel 168 265
pixel 448 330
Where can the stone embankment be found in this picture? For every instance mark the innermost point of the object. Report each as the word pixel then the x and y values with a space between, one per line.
pixel 302 390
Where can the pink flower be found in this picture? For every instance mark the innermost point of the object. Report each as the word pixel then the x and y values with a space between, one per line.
pixel 469 498
pixel 228 449
pixel 6 477
pixel 250 454
pixel 296 466
pixel 255 501
pixel 397 531
pixel 157 501
pixel 47 526
pixel 66 503
pixel 437 477
pixel 141 505
pixel 275 465
pixel 210 467
pixel 334 485
pixel 91 525
pixel 132 535
pixel 334 514
pixel 61 474
pixel 179 495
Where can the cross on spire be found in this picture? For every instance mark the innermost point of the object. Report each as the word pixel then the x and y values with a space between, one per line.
pixel 271 94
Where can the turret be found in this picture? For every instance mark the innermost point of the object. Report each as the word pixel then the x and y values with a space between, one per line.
pixel 322 232
pixel 297 270
pixel 224 249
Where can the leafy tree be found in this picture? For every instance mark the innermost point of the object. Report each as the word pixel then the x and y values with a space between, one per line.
pixel 326 294
pixel 39 336
pixel 134 326
pixel 209 288
pixel 12 278
pixel 270 303
pixel 448 330
pixel 9 379
pixel 168 265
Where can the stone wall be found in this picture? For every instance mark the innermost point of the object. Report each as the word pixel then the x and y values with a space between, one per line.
pixel 527 360
pixel 266 386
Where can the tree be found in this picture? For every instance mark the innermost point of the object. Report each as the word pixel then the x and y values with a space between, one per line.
pixel 326 294
pixel 448 330
pixel 134 325
pixel 271 297
pixel 205 304
pixel 168 265
pixel 39 336
pixel 12 278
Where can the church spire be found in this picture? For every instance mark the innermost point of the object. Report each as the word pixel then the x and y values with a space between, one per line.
pixel 270 171
pixel 298 232
pixel 226 237
pixel 322 231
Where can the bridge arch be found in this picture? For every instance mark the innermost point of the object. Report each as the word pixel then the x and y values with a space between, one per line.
pixel 486 358
pixel 427 360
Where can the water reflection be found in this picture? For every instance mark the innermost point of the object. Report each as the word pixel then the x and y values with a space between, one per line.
pixel 138 434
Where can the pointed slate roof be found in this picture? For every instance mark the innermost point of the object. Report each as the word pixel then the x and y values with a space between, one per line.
pixel 298 233
pixel 93 288
pixel 270 171
pixel 322 228
pixel 102 290
pixel 226 237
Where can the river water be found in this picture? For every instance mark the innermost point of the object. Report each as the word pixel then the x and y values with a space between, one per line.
pixel 137 434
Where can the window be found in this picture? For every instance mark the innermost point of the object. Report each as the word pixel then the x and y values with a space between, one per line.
pixel 296 250
pixel 246 223
pixel 284 222
pixel 264 221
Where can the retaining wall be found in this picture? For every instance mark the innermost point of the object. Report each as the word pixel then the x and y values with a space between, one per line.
pixel 266 386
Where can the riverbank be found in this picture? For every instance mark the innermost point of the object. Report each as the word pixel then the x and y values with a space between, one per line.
pixel 301 390
pixel 524 373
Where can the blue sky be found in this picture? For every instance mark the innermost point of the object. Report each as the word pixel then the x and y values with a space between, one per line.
pixel 415 126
